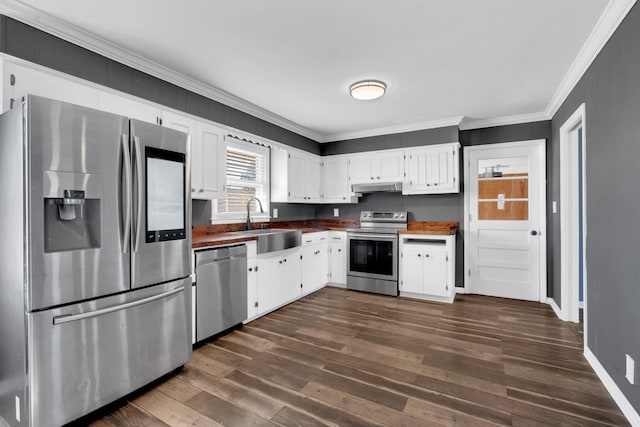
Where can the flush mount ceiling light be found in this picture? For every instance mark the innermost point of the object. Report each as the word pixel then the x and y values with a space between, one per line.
pixel 367 90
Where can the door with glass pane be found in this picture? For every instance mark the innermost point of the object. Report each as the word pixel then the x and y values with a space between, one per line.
pixel 161 220
pixel 505 206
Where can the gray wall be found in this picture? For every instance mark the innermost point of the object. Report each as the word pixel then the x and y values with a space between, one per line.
pixel 611 90
pixel 444 207
pixel 25 42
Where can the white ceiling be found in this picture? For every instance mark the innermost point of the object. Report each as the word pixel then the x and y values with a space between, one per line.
pixel 294 60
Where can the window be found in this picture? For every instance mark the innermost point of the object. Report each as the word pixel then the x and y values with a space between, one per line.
pixel 247 176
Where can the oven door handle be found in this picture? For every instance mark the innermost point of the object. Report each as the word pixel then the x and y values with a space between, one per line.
pixel 374 236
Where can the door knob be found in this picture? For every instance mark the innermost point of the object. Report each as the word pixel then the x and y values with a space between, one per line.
pixel 534 232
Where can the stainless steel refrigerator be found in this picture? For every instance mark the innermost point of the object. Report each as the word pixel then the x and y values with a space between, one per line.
pixel 95 247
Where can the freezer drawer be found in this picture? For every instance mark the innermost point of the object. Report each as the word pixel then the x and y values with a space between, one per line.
pixel 84 356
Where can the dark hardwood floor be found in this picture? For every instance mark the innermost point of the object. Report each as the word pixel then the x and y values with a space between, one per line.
pixel 352 359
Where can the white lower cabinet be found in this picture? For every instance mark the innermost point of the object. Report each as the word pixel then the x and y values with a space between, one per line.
pixel 427 267
pixel 273 281
pixel 315 261
pixel 338 258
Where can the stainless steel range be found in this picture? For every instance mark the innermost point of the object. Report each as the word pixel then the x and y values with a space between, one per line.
pixel 372 258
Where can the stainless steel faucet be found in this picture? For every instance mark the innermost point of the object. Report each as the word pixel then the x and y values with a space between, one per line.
pixel 249 214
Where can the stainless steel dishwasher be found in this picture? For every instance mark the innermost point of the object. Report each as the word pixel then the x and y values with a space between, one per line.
pixel 221 289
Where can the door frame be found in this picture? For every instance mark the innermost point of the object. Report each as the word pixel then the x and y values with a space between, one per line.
pixel 569 210
pixel 541 145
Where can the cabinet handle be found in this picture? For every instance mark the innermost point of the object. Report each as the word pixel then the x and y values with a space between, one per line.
pixel 435 183
pixel 378 177
pixel 193 190
pixel 371 177
pixel 280 262
pixel 285 260
pixel 344 198
pixel 419 255
pixel 426 255
pixel 201 190
pixel 250 268
pixel 255 304
pixel 339 250
pixel 428 185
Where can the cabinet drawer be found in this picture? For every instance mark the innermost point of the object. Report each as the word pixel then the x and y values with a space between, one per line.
pixel 309 239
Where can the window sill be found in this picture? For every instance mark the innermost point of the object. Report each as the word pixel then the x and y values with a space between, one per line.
pixel 236 220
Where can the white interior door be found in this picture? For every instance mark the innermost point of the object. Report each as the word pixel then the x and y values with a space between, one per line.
pixel 505 242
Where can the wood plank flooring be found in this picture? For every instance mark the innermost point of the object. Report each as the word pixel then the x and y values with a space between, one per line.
pixel 342 358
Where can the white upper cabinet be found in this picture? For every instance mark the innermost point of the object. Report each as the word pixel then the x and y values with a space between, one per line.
pixel 49 85
pixel 376 166
pixel 432 169
pixel 296 177
pixel 126 106
pixel 208 154
pixel 336 180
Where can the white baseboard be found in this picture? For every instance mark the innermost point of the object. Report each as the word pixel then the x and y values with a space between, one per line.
pixel 625 406
pixel 555 308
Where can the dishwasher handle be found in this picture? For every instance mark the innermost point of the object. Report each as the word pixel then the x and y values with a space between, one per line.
pixel 220 254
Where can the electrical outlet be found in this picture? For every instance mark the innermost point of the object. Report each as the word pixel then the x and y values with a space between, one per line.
pixel 631 369
pixel 275 213
pixel 336 212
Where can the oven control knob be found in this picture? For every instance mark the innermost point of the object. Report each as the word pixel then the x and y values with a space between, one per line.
pixel 395 215
pixel 401 215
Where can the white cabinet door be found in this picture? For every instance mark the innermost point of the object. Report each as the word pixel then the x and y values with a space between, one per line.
pixel 30 81
pixel 271 285
pixel 388 166
pixel 412 269
pixel 336 180
pixel 290 275
pixel 315 267
pixel 126 106
pixel 188 125
pixel 214 150
pixel 360 169
pixel 313 179
pixel 208 155
pixel 296 177
pixel 435 272
pixel 338 258
pixel 278 279
pixel 432 170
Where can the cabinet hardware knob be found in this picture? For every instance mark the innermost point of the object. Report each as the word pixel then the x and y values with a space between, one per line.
pixel 255 304
pixel 251 269
pixel 201 190
pixel 339 250
pixel 344 198
pixel 378 177
pixel 426 255
pixel 435 183
pixel 428 185
pixel 534 232
pixel 193 190
pixel 419 255
pixel 280 262
pixel 371 177
pixel 285 260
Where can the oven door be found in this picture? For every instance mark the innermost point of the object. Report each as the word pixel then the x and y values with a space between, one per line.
pixel 372 256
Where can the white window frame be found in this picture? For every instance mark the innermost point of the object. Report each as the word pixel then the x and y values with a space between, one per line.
pixel 237 217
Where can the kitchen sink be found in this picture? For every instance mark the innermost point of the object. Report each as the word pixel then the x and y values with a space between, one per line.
pixel 274 239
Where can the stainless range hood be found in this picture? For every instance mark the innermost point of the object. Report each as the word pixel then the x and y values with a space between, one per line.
pixel 373 187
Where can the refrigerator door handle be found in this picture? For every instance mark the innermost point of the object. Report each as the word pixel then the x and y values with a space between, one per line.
pixel 138 157
pixel 126 233
pixel 66 318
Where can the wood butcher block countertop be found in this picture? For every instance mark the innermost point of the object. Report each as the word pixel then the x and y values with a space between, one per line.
pixel 203 236
pixel 431 227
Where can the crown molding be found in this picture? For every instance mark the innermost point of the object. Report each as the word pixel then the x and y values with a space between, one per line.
pixel 66 31
pixel 502 121
pixel 609 21
pixel 387 130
